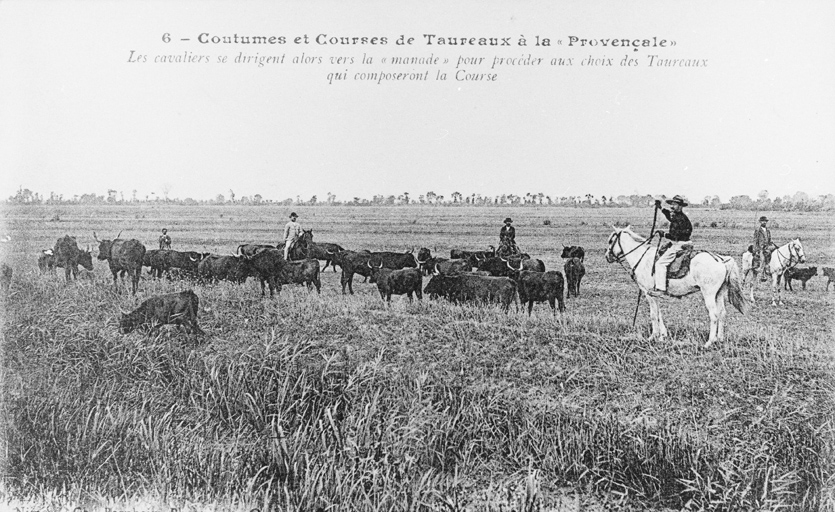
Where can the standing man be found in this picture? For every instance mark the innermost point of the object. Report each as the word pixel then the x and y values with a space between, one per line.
pixel 507 236
pixel 678 235
pixel 762 246
pixel 292 232
pixel 164 240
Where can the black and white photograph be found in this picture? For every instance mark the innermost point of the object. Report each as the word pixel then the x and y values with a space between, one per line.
pixel 417 256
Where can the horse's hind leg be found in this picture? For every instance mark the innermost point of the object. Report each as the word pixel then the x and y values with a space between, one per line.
pixel 721 312
pixel 711 300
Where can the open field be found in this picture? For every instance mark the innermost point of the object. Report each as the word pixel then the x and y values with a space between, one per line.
pixel 339 402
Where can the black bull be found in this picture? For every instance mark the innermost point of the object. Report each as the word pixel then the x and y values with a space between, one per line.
pixel 358 263
pixel 540 287
pixel 123 256
pixel 223 268
pixel 163 260
pixel 270 267
pixel 406 281
pixel 474 288
pixel 67 255
pixel 498 266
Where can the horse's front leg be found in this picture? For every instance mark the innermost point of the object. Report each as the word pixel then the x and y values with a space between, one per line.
pixel 659 330
pixel 775 289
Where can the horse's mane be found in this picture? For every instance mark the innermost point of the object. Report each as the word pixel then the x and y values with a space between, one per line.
pixel 635 236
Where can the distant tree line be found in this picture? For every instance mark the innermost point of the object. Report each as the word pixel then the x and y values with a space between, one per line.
pixel 800 201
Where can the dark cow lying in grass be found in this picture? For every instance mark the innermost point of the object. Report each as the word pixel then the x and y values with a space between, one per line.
pixel 173 308
pixel 801 274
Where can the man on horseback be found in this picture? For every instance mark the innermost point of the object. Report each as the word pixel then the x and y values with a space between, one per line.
pixel 292 232
pixel 678 235
pixel 763 247
pixel 507 238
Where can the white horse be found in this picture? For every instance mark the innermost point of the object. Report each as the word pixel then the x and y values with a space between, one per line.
pixel 717 277
pixel 749 272
pixel 782 259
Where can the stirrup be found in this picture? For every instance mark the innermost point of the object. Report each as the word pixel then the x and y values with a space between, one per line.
pixel 654 292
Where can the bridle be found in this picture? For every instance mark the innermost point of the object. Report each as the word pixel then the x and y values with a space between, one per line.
pixel 793 251
pixel 623 254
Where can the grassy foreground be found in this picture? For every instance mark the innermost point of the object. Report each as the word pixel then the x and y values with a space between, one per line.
pixel 326 402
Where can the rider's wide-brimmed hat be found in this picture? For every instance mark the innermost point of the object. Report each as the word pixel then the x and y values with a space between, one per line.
pixel 293 214
pixel 763 219
pixel 508 220
pixel 677 199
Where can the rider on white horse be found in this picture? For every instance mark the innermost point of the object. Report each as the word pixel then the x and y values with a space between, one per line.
pixel 678 235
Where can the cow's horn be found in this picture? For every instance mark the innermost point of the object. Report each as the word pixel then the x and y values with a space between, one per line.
pixel 95 237
pixel 369 264
pixel 120 233
pixel 437 271
pixel 381 264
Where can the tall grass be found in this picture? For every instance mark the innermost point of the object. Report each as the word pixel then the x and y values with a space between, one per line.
pixel 329 402
pixel 307 402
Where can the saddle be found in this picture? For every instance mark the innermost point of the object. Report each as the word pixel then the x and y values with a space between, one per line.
pixel 681 265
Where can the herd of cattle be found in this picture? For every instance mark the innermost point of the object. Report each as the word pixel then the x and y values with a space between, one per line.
pixel 466 276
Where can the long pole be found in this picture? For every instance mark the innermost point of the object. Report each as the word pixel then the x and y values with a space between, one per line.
pixel 651 233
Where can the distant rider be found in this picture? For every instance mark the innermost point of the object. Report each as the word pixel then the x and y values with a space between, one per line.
pixel 507 236
pixel 678 235
pixel 292 233
pixel 763 246
pixel 164 240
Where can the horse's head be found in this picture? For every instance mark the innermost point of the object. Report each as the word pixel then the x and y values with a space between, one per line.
pixel 615 250
pixel 306 238
pixel 796 248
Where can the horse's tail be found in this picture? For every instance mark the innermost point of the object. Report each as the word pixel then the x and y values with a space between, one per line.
pixel 732 281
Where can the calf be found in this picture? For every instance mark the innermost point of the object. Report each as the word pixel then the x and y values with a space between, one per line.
pixel 46 261
pixel 398 282
pixel 573 251
pixel 539 287
pixel 829 274
pixel 574 272
pixel 801 274
pixel 173 308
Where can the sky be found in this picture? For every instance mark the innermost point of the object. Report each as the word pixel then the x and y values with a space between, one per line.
pixel 81 112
